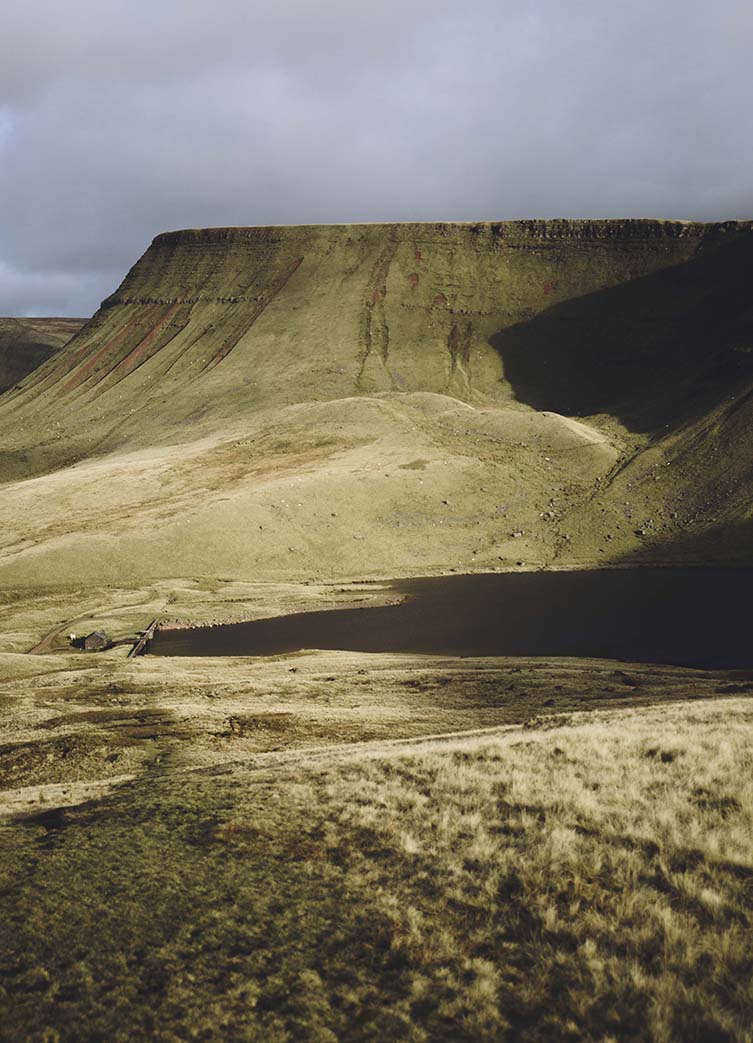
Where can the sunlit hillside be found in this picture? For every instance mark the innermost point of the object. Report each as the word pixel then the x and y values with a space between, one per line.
pixel 253 402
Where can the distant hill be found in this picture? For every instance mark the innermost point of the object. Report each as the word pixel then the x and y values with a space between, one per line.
pixel 373 399
pixel 26 343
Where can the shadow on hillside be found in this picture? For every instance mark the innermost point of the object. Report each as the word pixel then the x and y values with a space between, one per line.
pixel 654 351
pixel 19 360
pixel 730 542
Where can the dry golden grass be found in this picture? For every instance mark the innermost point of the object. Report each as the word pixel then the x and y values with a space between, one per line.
pixel 593 882
pixel 586 878
pixel 71 719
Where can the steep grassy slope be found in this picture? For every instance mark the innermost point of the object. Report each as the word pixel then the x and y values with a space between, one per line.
pixel 26 343
pixel 284 315
pixel 358 400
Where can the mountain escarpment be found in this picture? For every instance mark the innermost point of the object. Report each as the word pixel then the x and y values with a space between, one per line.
pixel 365 399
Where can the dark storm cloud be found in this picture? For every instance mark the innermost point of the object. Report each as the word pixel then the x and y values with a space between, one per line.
pixel 119 120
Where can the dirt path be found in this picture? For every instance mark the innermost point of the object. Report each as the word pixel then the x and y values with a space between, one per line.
pixel 45 645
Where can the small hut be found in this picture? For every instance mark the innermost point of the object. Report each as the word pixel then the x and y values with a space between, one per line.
pixel 97 641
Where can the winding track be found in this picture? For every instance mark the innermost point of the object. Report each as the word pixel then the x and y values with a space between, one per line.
pixel 45 644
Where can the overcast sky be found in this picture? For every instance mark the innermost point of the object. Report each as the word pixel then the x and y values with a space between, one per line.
pixel 120 119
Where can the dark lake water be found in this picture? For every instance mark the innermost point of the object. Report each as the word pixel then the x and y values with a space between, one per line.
pixel 684 616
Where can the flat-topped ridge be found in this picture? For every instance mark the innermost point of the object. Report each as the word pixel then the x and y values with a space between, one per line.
pixel 533 228
pixel 377 398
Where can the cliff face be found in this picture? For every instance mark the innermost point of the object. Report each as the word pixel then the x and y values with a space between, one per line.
pixel 309 312
pixel 580 387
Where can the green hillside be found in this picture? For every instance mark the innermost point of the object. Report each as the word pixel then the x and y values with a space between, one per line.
pixel 356 400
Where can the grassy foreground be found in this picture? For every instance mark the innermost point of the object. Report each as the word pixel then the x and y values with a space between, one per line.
pixel 585 878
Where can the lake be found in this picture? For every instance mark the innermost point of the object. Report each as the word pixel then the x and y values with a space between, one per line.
pixel 685 616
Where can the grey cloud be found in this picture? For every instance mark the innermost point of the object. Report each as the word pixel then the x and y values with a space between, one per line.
pixel 118 121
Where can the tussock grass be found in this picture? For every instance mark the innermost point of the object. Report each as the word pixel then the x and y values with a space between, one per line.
pixel 587 881
pixel 73 718
pixel 593 882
